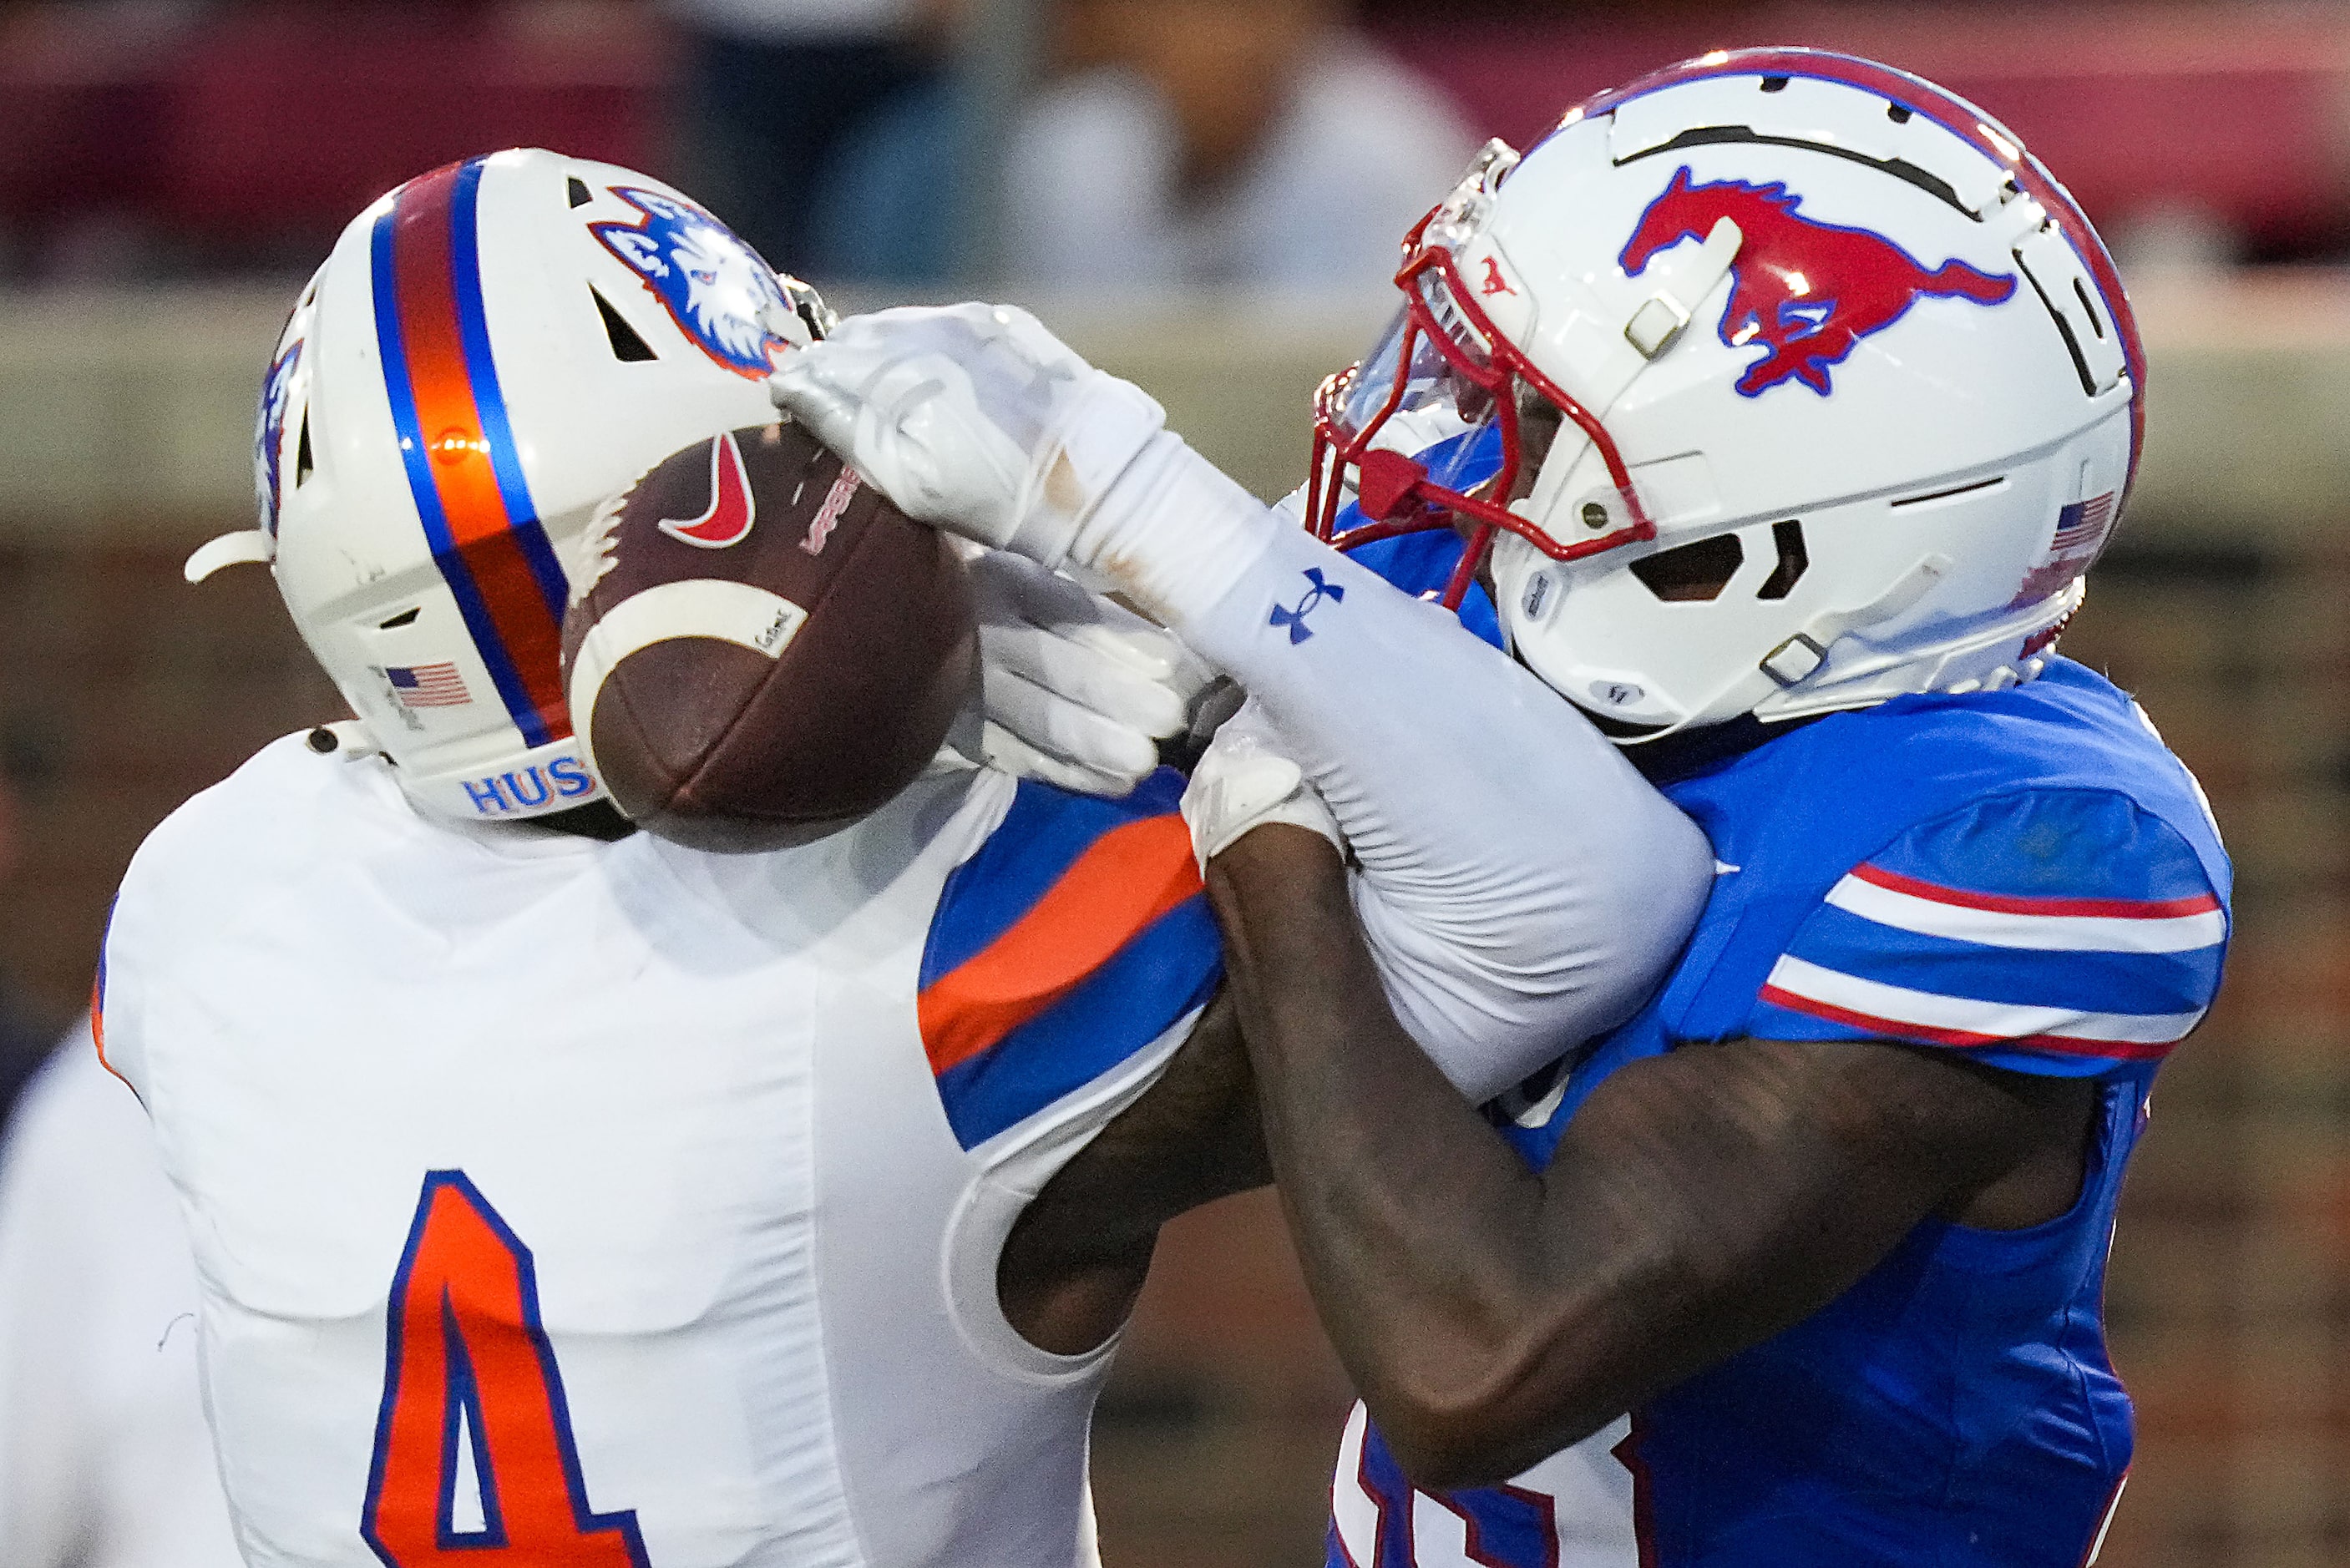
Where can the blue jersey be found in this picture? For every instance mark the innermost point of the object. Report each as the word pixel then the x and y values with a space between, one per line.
pixel 2026 878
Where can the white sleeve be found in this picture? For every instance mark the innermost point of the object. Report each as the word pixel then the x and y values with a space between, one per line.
pixel 1523 889
pixel 104 1457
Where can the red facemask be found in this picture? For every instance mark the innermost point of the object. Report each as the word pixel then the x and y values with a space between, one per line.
pixel 1442 357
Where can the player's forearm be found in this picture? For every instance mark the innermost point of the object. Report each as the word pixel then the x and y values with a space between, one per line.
pixel 1529 885
pixel 1522 884
pixel 1411 1219
pixel 1489 1316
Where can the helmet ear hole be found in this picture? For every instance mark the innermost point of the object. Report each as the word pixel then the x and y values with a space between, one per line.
pixel 1794 560
pixel 1693 571
pixel 302 464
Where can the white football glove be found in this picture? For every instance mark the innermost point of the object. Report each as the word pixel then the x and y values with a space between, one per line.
pixel 1078 692
pixel 1244 780
pixel 972 418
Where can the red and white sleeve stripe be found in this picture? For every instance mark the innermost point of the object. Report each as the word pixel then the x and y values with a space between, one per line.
pixel 2049 925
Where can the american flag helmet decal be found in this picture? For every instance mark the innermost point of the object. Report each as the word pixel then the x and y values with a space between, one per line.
pixel 2082 525
pixel 427 685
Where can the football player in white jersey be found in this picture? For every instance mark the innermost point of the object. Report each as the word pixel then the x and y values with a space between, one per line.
pixel 560 1195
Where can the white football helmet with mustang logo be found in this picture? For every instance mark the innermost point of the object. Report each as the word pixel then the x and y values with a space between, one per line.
pixel 492 352
pixel 1779 381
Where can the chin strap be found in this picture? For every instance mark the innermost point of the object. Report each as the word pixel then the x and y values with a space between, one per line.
pixel 1799 657
pixel 1682 280
pixel 1956 665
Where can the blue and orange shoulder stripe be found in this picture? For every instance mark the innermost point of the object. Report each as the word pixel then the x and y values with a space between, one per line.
pixel 1077 935
pixel 98 1006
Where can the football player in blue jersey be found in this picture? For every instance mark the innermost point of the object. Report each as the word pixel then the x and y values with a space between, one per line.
pixel 1796 401
pixel 1782 402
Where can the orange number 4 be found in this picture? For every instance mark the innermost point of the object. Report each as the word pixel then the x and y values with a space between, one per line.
pixel 469 1377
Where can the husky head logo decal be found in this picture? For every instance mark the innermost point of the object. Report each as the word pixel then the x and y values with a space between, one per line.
pixel 727 519
pixel 713 285
pixel 1804 291
pixel 269 436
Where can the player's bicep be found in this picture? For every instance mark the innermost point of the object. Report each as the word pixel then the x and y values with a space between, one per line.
pixel 1076 1257
pixel 1193 1137
pixel 1804 1150
pixel 1703 1201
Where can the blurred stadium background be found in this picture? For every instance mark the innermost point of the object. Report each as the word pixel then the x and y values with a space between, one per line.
pixel 171 169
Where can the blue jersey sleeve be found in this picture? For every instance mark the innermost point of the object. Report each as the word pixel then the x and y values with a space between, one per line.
pixel 2063 931
pixel 1077 935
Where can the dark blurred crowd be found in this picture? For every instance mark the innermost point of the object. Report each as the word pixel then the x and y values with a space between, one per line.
pixel 1163 143
pixel 1077 144
pixel 1133 145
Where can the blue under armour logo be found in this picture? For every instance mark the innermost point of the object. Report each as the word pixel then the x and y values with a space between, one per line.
pixel 1294 619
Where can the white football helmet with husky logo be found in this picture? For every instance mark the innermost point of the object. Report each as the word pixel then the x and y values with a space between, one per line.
pixel 492 352
pixel 1807 385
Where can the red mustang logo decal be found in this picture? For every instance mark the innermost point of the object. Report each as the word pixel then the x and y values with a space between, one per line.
pixel 1807 292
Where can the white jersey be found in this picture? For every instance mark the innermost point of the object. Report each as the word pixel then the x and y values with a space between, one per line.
pixel 623 1205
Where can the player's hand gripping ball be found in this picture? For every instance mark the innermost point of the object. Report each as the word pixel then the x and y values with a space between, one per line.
pixel 765 650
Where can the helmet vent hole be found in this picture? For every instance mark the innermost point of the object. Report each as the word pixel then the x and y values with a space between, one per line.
pixel 627 346
pixel 1692 572
pixel 1933 185
pixel 1774 84
pixel 578 190
pixel 1951 494
pixel 1897 113
pixel 1794 560
pixel 2097 322
pixel 302 464
pixel 405 617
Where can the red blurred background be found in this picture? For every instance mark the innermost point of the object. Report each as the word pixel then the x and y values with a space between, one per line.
pixel 153 148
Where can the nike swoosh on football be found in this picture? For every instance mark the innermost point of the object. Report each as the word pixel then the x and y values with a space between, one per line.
pixel 731 507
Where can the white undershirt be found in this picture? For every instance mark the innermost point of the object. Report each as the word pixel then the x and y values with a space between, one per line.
pixel 105 1460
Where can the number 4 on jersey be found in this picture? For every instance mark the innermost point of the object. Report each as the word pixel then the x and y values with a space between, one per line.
pixel 472 1394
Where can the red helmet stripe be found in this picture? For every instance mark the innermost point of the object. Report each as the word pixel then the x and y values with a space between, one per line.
pixel 461 467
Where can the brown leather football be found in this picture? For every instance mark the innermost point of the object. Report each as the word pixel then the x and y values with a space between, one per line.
pixel 772 649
